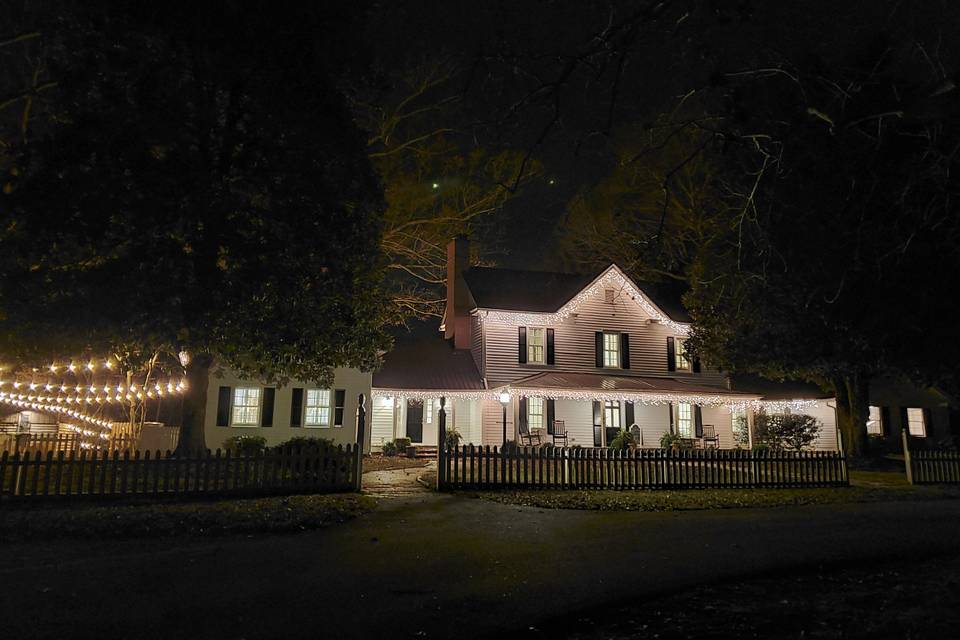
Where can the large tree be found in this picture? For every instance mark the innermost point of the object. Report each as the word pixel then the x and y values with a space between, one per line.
pixel 200 188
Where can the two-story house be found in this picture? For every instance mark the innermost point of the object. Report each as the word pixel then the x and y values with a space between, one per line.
pixel 596 352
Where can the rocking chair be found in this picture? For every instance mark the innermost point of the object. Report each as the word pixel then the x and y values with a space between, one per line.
pixel 559 432
pixel 526 437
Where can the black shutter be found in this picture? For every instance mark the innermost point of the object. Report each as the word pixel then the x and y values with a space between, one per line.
pixel 296 407
pixel 927 422
pixel 696 365
pixel 522 345
pixel 624 351
pixel 550 353
pixel 885 421
pixel 904 420
pixel 597 423
pixel 340 396
pixel 628 414
pixel 598 341
pixel 523 412
pixel 551 415
pixel 671 355
pixel 670 411
pixel 266 415
pixel 697 421
pixel 223 407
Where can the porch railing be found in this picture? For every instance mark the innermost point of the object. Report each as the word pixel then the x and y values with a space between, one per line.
pixel 485 467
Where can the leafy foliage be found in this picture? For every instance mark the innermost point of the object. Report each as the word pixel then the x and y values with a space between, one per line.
pixel 786 431
pixel 451 438
pixel 389 448
pixel 672 441
pixel 245 444
pixel 622 440
pixel 305 442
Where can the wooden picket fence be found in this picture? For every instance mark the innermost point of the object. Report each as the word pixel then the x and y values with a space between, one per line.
pixel 485 467
pixel 930 466
pixel 100 474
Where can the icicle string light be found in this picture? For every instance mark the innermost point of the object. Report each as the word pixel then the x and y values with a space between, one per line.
pixel 56 408
pixel 612 278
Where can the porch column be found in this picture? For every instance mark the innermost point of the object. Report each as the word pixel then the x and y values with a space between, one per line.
pixel 749 413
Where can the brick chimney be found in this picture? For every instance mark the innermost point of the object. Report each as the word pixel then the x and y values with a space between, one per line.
pixel 456 316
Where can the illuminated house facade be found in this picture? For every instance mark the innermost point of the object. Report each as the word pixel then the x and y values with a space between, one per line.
pixel 584 355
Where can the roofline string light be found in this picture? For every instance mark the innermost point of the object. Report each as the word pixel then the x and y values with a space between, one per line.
pixel 612 277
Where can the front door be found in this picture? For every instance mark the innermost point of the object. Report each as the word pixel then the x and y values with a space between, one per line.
pixel 415 420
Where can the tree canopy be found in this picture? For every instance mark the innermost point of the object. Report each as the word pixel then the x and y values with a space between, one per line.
pixel 199 186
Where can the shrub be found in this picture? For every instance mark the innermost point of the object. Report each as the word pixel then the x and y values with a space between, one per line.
pixel 672 441
pixel 622 440
pixel 452 438
pixel 741 434
pixel 303 442
pixel 389 448
pixel 402 444
pixel 785 431
pixel 247 445
pixel 509 447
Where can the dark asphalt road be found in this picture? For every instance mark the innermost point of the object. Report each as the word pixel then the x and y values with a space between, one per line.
pixel 436 567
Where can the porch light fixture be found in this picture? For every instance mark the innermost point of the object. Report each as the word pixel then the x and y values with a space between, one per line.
pixel 504 400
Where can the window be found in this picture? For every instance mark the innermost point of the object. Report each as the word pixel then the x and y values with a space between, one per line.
pixel 535 413
pixel 611 414
pixel 915 423
pixel 875 422
pixel 318 408
pixel 246 407
pixel 681 360
pixel 738 424
pixel 535 345
pixel 611 349
pixel 685 420
pixel 428 410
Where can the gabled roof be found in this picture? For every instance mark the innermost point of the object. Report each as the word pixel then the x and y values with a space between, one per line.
pixel 423 360
pixel 519 290
pixel 547 292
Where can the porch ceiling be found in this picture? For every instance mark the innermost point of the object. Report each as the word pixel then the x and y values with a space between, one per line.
pixel 631 384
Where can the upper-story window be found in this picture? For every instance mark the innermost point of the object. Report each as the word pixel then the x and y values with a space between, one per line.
pixel 317 413
pixel 536 345
pixel 246 407
pixel 682 361
pixel 611 349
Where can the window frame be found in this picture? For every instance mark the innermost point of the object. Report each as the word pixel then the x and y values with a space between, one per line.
pixel 916 411
pixel 236 405
pixel 428 410
pixel 541 414
pixel 680 360
pixel 308 405
pixel 612 409
pixel 614 339
pixel 875 416
pixel 542 346
pixel 680 419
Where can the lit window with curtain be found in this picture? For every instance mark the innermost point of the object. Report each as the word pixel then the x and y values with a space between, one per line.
pixel 611 349
pixel 535 418
pixel 916 426
pixel 681 360
pixel 317 412
pixel 875 422
pixel 536 345
pixel 685 420
pixel 246 407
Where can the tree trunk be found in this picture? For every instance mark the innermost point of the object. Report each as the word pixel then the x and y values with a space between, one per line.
pixel 195 405
pixel 853 409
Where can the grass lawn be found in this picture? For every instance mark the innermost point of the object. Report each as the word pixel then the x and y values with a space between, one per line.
pixel 866 486
pixel 194 519
pixel 896 600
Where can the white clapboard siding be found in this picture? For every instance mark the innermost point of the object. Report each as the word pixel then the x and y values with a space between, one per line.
pixel 827 439
pixel 493 422
pixel 577 416
pixel 653 420
pixel 466 420
pixel 722 421
pixel 575 346
pixel 381 422
pixel 476 342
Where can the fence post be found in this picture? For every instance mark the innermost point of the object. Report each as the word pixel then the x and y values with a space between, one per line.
pixel 441 442
pixel 361 440
pixel 907 462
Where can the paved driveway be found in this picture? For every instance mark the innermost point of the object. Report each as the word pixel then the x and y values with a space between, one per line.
pixel 437 566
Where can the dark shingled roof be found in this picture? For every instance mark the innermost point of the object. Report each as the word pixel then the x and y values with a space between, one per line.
pixel 543 291
pixel 422 359
pixel 771 390
pixel 516 290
